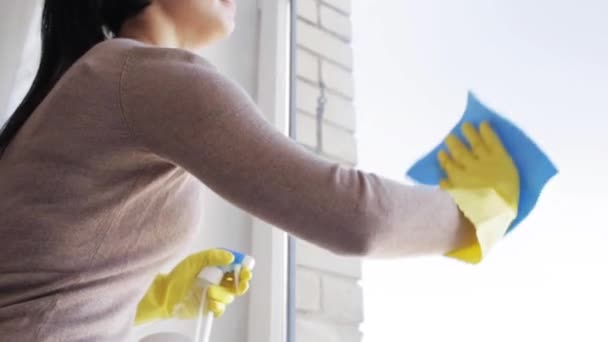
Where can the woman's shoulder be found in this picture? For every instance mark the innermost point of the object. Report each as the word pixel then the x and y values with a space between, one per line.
pixel 155 56
pixel 149 58
pixel 157 77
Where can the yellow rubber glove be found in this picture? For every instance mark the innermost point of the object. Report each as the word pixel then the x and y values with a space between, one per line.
pixel 176 295
pixel 484 182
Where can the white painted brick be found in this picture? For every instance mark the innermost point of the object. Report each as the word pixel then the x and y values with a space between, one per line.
pixel 338 79
pixel 306 129
pixel 336 22
pixel 342 300
pixel 340 112
pixel 343 5
pixel 311 256
pixel 306 97
pixel 328 298
pixel 308 9
pixel 314 330
pixel 349 333
pixel 308 66
pixel 324 44
pixel 310 331
pixel 308 290
pixel 339 143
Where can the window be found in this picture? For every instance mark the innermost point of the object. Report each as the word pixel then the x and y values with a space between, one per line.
pixel 542 64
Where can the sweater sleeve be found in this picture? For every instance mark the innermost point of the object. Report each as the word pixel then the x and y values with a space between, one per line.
pixel 181 108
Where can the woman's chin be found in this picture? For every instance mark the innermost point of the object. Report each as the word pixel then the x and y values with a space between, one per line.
pixel 227 28
pixel 230 26
pixel 221 34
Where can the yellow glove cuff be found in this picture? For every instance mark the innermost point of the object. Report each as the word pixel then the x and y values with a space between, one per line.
pixel 490 215
pixel 151 307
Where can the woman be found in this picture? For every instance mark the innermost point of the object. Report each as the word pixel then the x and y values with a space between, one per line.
pixel 103 163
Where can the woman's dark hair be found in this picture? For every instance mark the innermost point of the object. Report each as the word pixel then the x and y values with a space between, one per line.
pixel 69 29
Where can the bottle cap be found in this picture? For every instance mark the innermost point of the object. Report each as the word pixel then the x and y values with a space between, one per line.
pixel 248 262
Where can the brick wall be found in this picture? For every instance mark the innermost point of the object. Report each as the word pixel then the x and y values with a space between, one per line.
pixel 329 299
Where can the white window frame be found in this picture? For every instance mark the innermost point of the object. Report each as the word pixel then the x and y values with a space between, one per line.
pixel 268 306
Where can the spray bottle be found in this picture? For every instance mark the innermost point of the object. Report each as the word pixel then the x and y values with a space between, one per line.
pixel 213 276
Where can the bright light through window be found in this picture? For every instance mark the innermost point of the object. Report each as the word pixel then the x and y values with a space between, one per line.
pixel 542 63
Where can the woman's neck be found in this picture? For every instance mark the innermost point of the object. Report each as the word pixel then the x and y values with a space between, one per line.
pixel 154 28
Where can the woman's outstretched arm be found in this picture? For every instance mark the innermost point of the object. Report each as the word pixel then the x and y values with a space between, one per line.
pixel 182 109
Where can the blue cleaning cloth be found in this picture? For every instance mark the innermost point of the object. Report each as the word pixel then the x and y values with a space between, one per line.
pixel 535 168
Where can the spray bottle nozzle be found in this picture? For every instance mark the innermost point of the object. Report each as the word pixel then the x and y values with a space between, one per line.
pixel 240 260
pixel 214 276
